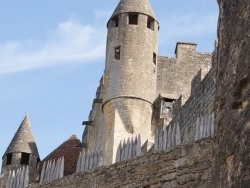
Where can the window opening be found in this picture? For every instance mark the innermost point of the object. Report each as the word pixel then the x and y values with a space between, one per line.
pixel 154 58
pixel 151 23
pixel 133 19
pixel 118 53
pixel 115 21
pixel 25 158
pixel 9 159
pixel 167 108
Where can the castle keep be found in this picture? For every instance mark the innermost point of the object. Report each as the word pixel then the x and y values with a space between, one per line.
pixel 155 121
pixel 139 87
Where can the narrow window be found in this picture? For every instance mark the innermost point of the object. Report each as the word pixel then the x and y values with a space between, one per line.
pixel 133 19
pixel 9 158
pixel 154 58
pixel 151 23
pixel 25 158
pixel 118 53
pixel 115 21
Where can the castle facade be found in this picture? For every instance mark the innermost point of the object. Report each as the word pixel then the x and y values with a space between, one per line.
pixel 155 121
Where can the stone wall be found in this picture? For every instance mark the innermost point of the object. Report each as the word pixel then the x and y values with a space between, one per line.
pixel 198 107
pixel 130 79
pixel 134 73
pixel 16 164
pixel 232 154
pixel 120 127
pixel 94 134
pixel 186 166
pixel 174 75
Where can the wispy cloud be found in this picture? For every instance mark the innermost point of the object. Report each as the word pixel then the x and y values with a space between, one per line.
pixel 189 25
pixel 195 27
pixel 69 42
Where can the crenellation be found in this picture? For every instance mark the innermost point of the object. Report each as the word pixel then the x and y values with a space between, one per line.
pixel 174 76
pixel 196 82
pixel 173 167
pixel 200 103
pixel 177 107
pixel 185 50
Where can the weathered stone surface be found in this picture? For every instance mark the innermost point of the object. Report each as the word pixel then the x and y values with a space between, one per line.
pixel 172 184
pixel 131 84
pixel 22 142
pixel 169 177
pixel 151 170
pixel 231 167
pixel 127 107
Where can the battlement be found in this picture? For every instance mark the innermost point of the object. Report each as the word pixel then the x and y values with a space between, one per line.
pixel 188 166
pixel 174 75
pixel 184 49
pixel 177 106
pixel 199 105
pixel 196 82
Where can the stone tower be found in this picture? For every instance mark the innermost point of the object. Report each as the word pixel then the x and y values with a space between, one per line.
pixel 22 151
pixel 130 74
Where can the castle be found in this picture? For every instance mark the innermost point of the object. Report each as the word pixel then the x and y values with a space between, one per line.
pixel 155 121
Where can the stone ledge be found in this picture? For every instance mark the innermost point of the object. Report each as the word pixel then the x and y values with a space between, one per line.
pixel 87 123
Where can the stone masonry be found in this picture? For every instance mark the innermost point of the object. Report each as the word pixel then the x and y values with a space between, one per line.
pixel 21 152
pixel 175 102
pixel 231 160
pixel 185 166
pixel 133 86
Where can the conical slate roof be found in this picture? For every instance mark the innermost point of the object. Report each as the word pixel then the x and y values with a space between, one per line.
pixel 23 140
pixel 140 6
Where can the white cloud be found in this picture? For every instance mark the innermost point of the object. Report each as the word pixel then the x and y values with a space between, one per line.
pixel 103 15
pixel 198 27
pixel 70 42
pixel 189 25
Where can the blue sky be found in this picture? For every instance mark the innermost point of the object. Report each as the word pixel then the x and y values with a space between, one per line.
pixel 52 57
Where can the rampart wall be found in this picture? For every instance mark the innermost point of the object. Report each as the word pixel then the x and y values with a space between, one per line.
pixel 93 136
pixel 174 75
pixel 198 109
pixel 185 166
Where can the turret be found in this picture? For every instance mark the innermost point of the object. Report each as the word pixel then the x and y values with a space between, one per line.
pixel 22 152
pixel 130 73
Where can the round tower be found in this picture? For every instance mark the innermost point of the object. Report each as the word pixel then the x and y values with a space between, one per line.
pixel 130 73
pixel 21 152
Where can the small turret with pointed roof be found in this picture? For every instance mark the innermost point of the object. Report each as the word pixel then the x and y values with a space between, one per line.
pixel 23 140
pixel 22 151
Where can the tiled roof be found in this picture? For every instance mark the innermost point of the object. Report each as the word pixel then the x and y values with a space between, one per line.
pixel 70 149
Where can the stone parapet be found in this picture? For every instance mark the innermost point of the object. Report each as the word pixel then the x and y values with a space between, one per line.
pixel 186 166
